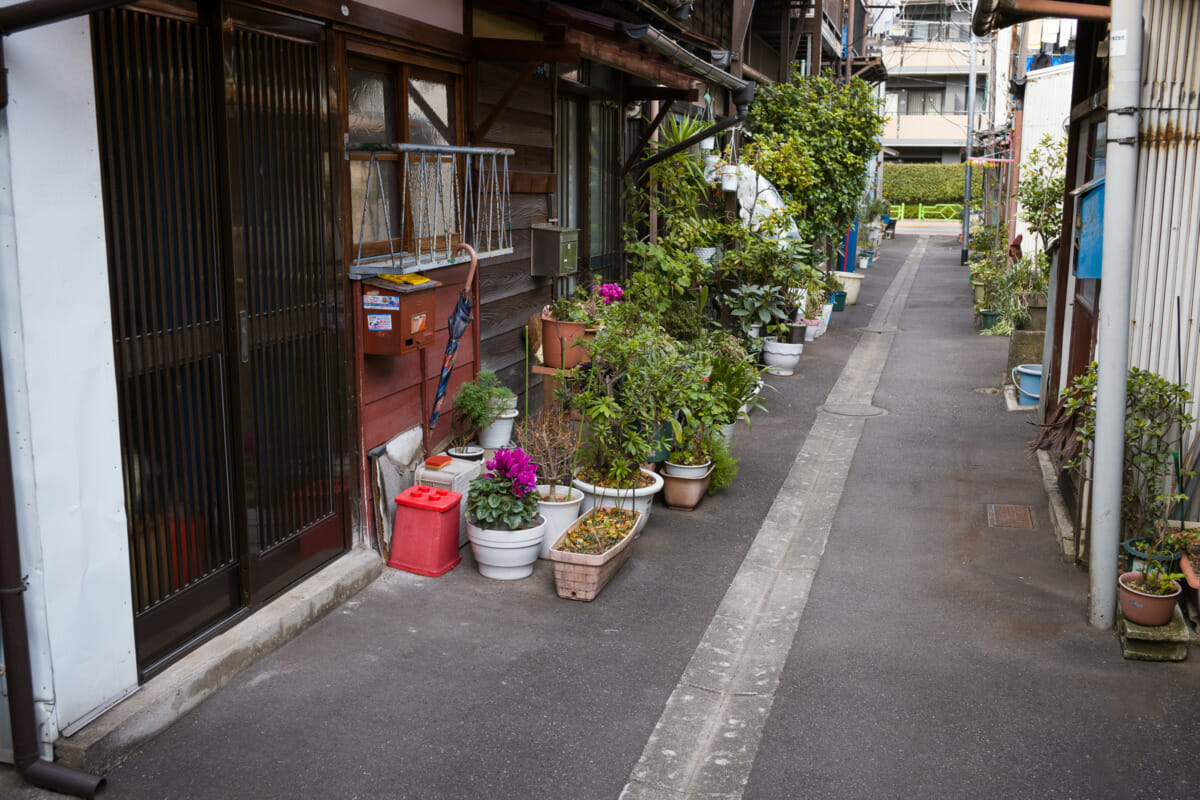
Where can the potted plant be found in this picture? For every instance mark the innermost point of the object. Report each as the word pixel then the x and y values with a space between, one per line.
pixel 779 354
pixel 753 305
pixel 1149 597
pixel 1155 423
pixel 590 552
pixel 475 408
pixel 502 398
pixel 625 399
pixel 550 440
pixel 503 523
pixel 564 325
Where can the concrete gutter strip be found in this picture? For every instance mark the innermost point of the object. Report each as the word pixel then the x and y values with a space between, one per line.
pixel 1060 515
pixel 104 743
pixel 708 735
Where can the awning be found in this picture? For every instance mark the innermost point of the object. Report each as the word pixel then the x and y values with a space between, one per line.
pixel 870 68
pixel 992 15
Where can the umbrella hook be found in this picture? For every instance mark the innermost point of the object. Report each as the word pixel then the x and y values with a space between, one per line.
pixel 474 265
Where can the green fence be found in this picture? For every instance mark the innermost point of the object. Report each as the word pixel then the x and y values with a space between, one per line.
pixel 951 211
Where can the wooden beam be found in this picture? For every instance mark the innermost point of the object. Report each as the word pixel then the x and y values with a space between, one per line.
pixel 637 151
pixel 662 93
pixel 481 131
pixel 361 16
pixel 522 50
pixel 629 59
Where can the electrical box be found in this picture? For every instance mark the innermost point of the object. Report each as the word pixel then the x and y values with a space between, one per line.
pixel 555 250
pixel 398 314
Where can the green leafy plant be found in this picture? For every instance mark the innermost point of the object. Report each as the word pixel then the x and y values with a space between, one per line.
pixel 929 184
pixel 505 498
pixel 724 468
pixel 474 405
pixel 1155 422
pixel 812 138
pixel 1040 189
pixel 626 395
pixel 751 303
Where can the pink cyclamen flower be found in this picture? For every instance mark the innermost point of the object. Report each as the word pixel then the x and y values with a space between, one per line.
pixel 610 293
pixel 514 464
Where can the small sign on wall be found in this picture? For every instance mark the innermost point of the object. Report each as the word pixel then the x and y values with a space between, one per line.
pixel 399 317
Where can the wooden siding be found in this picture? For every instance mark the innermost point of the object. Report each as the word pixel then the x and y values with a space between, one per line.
pixel 509 296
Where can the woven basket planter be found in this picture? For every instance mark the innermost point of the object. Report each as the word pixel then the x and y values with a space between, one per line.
pixel 578 576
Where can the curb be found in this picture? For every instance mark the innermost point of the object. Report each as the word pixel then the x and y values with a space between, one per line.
pixel 159 703
pixel 1060 516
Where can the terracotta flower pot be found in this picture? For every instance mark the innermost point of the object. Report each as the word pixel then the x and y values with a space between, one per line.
pixel 1145 609
pixel 560 343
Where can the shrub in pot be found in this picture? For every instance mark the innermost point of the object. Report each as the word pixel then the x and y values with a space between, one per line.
pixel 476 410
pixel 550 439
pixel 503 523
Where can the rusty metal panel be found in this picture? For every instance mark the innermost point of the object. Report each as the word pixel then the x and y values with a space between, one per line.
pixel 1167 236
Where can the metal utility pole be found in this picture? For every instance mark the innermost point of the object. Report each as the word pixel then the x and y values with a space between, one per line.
pixel 1112 347
pixel 966 222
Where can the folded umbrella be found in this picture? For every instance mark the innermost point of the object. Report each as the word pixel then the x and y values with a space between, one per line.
pixel 459 320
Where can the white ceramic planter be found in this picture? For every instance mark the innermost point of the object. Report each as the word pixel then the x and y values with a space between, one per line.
pixel 811 330
pixel 471 452
pixel 496 435
pixel 705 254
pixel 506 555
pixel 686 470
pixel 501 405
pixel 727 432
pixel 635 499
pixel 708 144
pixel 781 358
pixel 851 282
pixel 558 516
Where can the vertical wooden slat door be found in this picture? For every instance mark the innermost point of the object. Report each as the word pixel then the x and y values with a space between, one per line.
pixel 285 290
pixel 167 281
pixel 226 302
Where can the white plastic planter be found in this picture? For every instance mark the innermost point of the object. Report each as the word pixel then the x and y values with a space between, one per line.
pixel 634 499
pixel 781 358
pixel 729 177
pixel 497 435
pixel 558 516
pixel 506 555
pixel 851 282
pixel 687 470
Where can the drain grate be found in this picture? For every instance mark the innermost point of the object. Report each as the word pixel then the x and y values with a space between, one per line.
pixel 1002 516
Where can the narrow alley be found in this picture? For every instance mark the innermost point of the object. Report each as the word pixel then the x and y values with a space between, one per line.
pixel 843 624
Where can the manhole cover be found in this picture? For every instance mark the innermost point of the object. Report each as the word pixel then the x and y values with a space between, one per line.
pixel 1002 516
pixel 854 410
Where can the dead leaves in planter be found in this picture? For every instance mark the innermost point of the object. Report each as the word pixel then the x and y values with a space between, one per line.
pixel 600 531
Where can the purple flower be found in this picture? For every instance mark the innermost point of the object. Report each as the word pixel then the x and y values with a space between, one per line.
pixel 512 463
pixel 610 293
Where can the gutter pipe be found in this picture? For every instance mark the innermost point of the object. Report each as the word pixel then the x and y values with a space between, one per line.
pixel 657 41
pixel 17 669
pixel 1112 349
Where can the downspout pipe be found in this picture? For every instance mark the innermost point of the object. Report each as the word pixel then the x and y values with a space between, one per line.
pixel 1112 348
pixel 17 668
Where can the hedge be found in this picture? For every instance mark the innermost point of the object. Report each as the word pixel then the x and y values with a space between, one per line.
pixel 928 183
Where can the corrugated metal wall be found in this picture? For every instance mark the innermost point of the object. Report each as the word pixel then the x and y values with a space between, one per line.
pixel 1167 238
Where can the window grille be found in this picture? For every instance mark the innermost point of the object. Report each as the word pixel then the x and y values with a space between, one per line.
pixel 448 195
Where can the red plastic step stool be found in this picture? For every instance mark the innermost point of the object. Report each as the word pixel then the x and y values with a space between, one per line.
pixel 425 532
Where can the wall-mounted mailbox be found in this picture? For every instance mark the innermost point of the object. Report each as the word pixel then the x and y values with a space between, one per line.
pixel 397 317
pixel 555 250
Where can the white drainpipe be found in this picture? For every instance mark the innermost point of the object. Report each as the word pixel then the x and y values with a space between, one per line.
pixel 1112 349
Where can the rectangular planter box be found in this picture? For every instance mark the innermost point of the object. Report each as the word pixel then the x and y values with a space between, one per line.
pixel 581 577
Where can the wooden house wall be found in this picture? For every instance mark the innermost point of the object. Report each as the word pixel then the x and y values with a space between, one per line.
pixel 509 296
pixel 713 19
pixel 397 392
